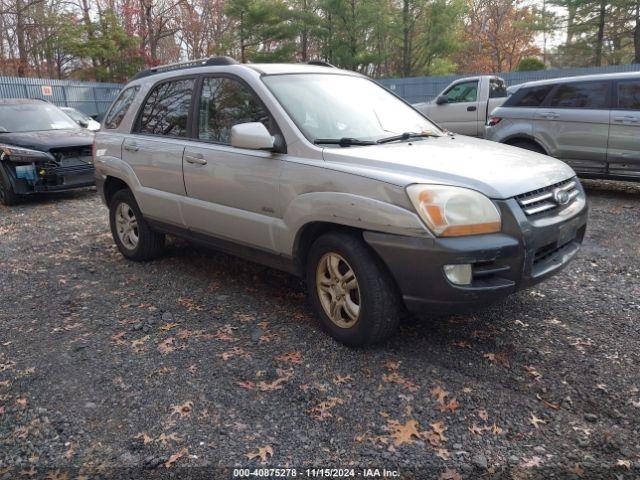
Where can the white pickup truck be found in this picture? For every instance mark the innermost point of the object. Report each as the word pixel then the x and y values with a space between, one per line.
pixel 464 106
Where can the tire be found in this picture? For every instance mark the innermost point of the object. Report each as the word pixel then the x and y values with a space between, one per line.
pixel 528 146
pixel 136 241
pixel 380 306
pixel 7 196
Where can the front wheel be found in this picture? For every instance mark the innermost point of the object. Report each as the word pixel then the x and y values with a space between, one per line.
pixel 7 196
pixel 132 234
pixel 354 296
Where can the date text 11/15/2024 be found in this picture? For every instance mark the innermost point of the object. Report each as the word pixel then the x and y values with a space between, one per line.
pixel 316 473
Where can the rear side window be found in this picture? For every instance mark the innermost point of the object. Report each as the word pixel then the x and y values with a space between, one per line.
pixel 224 103
pixel 580 95
pixel 463 92
pixel 120 107
pixel 529 96
pixel 166 110
pixel 629 95
pixel 497 88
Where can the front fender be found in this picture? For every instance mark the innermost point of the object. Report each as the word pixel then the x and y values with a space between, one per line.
pixel 349 210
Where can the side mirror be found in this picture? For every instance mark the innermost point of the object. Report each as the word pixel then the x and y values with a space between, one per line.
pixel 442 99
pixel 253 135
pixel 83 123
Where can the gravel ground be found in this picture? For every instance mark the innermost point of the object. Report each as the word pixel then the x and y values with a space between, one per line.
pixel 110 368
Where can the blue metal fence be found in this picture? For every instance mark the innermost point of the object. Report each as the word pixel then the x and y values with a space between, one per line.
pixel 422 89
pixel 90 98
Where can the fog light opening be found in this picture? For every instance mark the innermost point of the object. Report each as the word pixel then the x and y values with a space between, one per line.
pixel 459 274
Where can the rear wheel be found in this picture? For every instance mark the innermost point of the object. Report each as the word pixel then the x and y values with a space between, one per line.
pixel 132 234
pixel 534 147
pixel 353 294
pixel 7 196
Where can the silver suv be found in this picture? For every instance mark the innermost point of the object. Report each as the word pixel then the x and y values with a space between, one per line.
pixel 591 122
pixel 323 173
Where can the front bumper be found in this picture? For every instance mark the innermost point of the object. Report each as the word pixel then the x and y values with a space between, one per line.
pixel 51 177
pixel 524 253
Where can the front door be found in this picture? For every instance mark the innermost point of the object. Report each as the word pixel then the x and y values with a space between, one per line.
pixel 624 134
pixel 461 112
pixel 232 193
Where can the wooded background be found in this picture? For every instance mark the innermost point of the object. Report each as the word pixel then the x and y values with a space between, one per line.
pixel 110 40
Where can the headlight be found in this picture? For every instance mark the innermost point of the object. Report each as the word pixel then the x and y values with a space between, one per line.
pixel 454 211
pixel 19 154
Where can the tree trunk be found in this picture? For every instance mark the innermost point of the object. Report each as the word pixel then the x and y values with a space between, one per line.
pixel 600 38
pixel 406 31
pixel 636 35
pixel 20 34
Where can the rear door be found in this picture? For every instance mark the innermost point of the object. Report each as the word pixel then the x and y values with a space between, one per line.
pixel 154 150
pixel 460 114
pixel 573 123
pixel 232 193
pixel 624 134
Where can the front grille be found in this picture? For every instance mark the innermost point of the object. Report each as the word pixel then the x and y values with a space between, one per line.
pixel 69 161
pixel 543 199
pixel 550 250
pixel 72 152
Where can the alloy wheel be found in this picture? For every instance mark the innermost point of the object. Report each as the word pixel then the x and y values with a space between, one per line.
pixel 338 290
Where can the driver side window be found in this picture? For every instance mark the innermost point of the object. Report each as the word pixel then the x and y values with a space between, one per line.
pixel 224 103
pixel 463 92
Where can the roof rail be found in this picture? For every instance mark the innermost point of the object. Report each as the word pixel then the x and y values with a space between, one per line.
pixel 201 62
pixel 321 63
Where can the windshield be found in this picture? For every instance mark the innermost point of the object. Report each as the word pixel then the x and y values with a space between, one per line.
pixel 33 117
pixel 329 106
pixel 76 115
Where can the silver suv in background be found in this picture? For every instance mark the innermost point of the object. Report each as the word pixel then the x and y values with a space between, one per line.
pixel 323 173
pixel 591 122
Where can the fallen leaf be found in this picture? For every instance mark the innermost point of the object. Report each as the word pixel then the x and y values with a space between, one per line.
pixel 322 410
pixel 483 415
pixel 475 429
pixel 403 433
pixel 495 429
pixel 451 406
pixel 146 439
pixel 234 352
pixel 624 463
pixel 392 365
pixel 118 338
pixel 462 344
pixel 21 402
pixel 283 376
pixel 443 453
pixel 291 357
pixel 262 453
pixel 577 470
pixel 339 379
pixel 175 457
pixel 554 406
pixel 184 410
pixel 439 429
pixel 533 372
pixel 168 326
pixel 166 346
pixel 450 474
pixel 439 393
pixel 246 384
pixel 499 358
pixel 395 377
pixel 533 462
pixel 533 420
pixel 172 437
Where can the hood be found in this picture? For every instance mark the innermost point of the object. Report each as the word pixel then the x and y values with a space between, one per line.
pixel 496 170
pixel 49 139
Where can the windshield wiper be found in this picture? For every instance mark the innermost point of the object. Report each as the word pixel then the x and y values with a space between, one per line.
pixel 343 142
pixel 406 136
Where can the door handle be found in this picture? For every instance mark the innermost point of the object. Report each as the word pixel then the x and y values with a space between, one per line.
pixel 195 159
pixel 549 115
pixel 131 147
pixel 471 109
pixel 625 118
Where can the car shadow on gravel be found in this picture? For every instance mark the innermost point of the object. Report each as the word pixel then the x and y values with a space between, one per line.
pixel 40 199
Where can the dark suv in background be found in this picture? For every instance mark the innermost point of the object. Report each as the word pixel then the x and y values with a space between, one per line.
pixel 591 122
pixel 41 150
